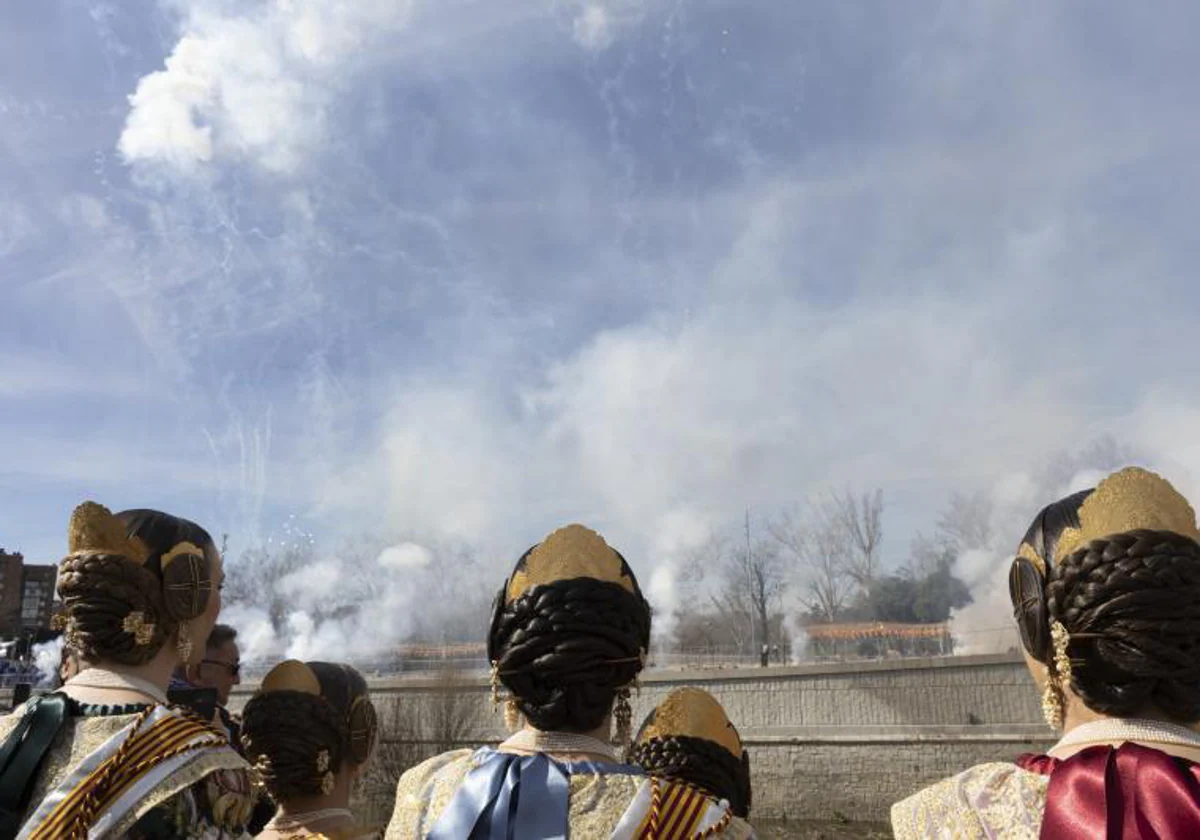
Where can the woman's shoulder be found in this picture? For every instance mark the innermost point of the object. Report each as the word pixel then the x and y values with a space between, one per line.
pixel 987 800
pixel 599 794
pixel 447 766
pixel 424 791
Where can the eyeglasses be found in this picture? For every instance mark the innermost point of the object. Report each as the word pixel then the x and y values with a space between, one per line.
pixel 234 667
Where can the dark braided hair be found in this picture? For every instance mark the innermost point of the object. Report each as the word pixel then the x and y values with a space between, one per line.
pixel 699 762
pixel 564 647
pixel 1131 605
pixel 99 590
pixel 284 732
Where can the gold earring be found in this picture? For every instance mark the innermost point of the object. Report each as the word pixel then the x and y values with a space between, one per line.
pixel 1060 638
pixel 495 685
pixel 184 644
pixel 1058 675
pixel 623 716
pixel 512 715
pixel 1052 704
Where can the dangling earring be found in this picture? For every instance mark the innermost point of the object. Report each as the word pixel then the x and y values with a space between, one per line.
pixel 1052 703
pixel 1053 700
pixel 623 716
pixel 512 715
pixel 512 712
pixel 183 644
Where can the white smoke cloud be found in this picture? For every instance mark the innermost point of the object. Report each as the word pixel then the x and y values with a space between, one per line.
pixel 253 84
pixel 256 638
pixel 360 603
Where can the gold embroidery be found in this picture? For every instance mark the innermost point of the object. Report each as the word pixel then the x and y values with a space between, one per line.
pixel 424 792
pixel 999 801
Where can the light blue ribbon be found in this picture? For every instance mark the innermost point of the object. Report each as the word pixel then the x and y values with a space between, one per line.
pixel 508 797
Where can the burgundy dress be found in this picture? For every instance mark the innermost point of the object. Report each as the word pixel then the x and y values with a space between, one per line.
pixel 1131 792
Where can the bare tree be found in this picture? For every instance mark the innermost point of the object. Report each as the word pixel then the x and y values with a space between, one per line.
pixel 827 557
pixel 966 523
pixel 254 578
pixel 860 518
pixel 752 584
pixel 821 550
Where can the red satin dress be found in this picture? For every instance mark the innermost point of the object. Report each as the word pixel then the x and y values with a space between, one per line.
pixel 1131 792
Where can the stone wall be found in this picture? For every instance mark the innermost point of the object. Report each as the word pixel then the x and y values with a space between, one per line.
pixel 827 741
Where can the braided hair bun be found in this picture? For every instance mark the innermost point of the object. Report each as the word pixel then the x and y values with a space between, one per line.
pixel 113 603
pixel 569 628
pixel 687 738
pixel 1131 604
pixel 1119 568
pixel 296 729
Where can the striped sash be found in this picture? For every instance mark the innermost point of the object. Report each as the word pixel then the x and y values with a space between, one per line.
pixel 680 810
pixel 667 810
pixel 111 781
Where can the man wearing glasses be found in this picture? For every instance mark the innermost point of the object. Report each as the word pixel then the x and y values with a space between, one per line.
pixel 205 687
pixel 212 678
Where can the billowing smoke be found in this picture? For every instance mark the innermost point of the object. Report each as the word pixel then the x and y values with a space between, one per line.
pixel 355 604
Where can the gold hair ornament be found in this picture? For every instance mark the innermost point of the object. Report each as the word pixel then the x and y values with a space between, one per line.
pixel 568 553
pixel 291 675
pixel 135 624
pixel 694 713
pixel 1060 639
pixel 94 529
pixel 1058 675
pixel 1129 500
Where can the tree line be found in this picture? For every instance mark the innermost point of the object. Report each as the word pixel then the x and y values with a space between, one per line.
pixel 820 563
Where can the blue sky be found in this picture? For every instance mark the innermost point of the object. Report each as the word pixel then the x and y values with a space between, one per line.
pixel 472 269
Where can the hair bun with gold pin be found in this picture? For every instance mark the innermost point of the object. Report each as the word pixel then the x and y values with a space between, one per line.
pixel 688 738
pixel 117 604
pixel 304 723
pixel 570 628
pixel 1114 572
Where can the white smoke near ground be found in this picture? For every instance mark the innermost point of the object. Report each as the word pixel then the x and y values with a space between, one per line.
pixel 46 658
pixel 678 534
pixel 358 603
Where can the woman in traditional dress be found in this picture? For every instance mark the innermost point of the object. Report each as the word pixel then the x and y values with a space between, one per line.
pixel 1106 592
pixel 569 635
pixel 688 739
pixel 310 730
pixel 105 755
